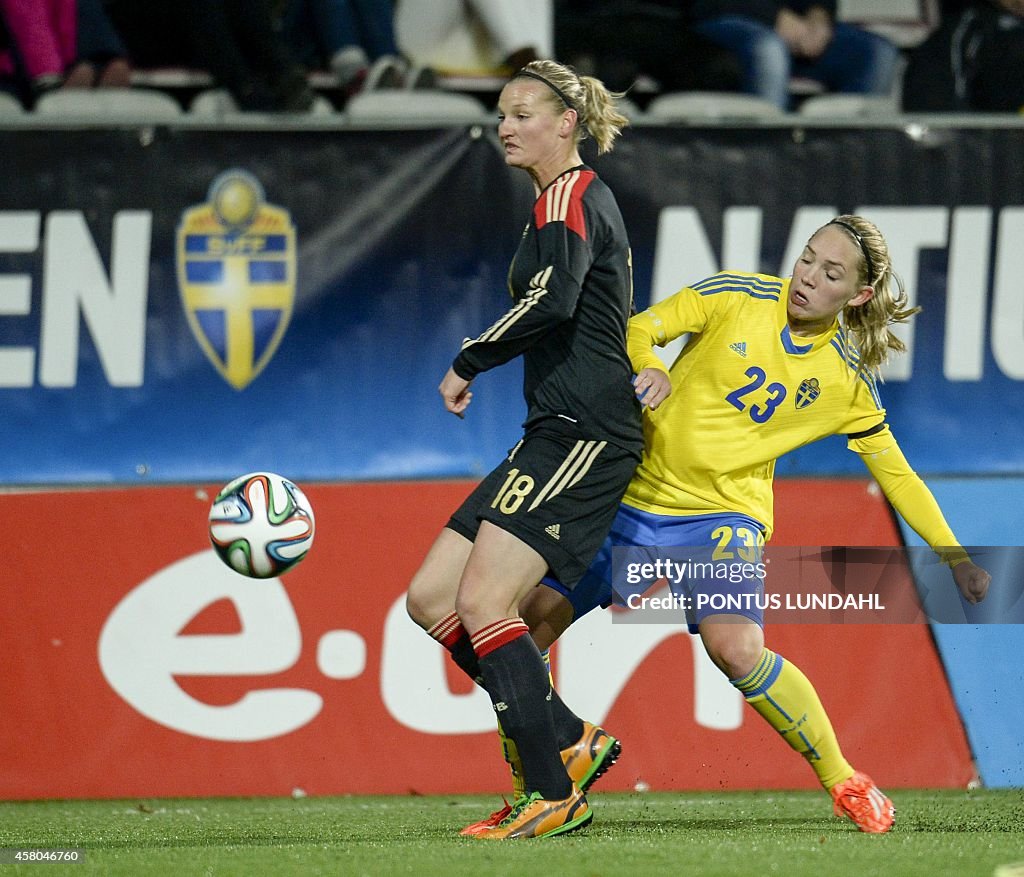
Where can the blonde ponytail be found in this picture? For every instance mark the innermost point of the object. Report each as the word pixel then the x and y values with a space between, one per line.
pixel 594 104
pixel 869 322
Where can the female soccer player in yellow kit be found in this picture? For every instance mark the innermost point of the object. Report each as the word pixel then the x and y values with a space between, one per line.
pixel 771 364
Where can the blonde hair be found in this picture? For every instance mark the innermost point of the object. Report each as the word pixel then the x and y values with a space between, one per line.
pixel 594 104
pixel 869 322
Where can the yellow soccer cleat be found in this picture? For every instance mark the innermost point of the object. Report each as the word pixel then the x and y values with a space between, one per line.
pixel 861 800
pixel 591 756
pixel 533 816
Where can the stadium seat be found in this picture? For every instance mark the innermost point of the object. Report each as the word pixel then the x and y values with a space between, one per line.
pixel 416 107
pixel 629 109
pixel 846 106
pixel 213 103
pixel 10 105
pixel 685 106
pixel 108 103
pixel 216 103
pixel 906 22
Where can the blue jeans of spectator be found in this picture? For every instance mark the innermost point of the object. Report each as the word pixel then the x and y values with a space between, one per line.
pixel 856 60
pixel 329 25
pixel 98 41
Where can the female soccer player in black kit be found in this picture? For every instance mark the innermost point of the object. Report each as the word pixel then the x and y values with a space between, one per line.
pixel 549 505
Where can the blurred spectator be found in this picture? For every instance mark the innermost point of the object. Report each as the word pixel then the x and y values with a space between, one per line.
pixel 100 45
pixel 235 41
pixel 476 36
pixel 61 43
pixel 621 40
pixel 775 41
pixel 343 36
pixel 973 61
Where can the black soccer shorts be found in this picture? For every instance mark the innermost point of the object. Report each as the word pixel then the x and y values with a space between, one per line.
pixel 556 493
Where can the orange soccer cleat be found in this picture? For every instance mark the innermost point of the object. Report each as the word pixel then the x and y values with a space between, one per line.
pixel 590 757
pixel 585 761
pixel 866 805
pixel 533 816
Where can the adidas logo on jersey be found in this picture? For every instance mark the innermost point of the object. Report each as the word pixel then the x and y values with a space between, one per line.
pixel 740 347
pixel 553 531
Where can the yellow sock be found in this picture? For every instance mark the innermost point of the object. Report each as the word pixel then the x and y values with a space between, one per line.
pixel 786 699
pixel 511 756
pixel 508 747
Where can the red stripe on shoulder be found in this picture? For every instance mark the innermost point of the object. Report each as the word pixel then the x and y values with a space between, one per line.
pixel 562 201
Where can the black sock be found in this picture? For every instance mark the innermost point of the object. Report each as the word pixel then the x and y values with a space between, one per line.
pixel 463 655
pixel 568 725
pixel 518 685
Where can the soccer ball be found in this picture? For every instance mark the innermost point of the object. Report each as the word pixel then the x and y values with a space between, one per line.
pixel 261 525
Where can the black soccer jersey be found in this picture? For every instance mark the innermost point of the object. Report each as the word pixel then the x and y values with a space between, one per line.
pixel 571 281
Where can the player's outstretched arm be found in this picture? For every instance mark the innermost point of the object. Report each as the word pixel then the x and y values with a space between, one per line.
pixel 910 496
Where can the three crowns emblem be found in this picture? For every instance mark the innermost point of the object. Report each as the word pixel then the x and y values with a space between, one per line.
pixel 236 258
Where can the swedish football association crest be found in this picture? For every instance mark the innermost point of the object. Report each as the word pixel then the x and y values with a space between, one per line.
pixel 236 275
pixel 807 392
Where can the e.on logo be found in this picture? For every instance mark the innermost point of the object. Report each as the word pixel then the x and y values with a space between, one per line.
pixel 142 650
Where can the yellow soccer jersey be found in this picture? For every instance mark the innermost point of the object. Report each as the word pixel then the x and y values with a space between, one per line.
pixel 745 392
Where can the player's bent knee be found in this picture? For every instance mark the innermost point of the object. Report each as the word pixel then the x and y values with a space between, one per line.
pixel 735 648
pixel 426 603
pixel 431 593
pixel 480 606
pixel 416 609
pixel 475 612
pixel 737 661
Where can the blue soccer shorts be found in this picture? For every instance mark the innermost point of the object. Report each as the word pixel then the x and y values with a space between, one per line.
pixel 718 564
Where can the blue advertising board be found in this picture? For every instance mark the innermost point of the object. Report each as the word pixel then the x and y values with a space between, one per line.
pixel 195 304
pixel 982 661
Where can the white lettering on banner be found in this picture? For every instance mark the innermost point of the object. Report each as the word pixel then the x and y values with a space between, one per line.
pixel 76 289
pixel 74 280
pixel 967 294
pixel 19 233
pixel 683 254
pixel 743 237
pixel 1008 297
pixel 806 221
pixel 908 230
pixel 597 658
pixel 691 258
pixel 141 651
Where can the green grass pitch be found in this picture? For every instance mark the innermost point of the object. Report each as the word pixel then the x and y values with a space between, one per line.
pixel 960 833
